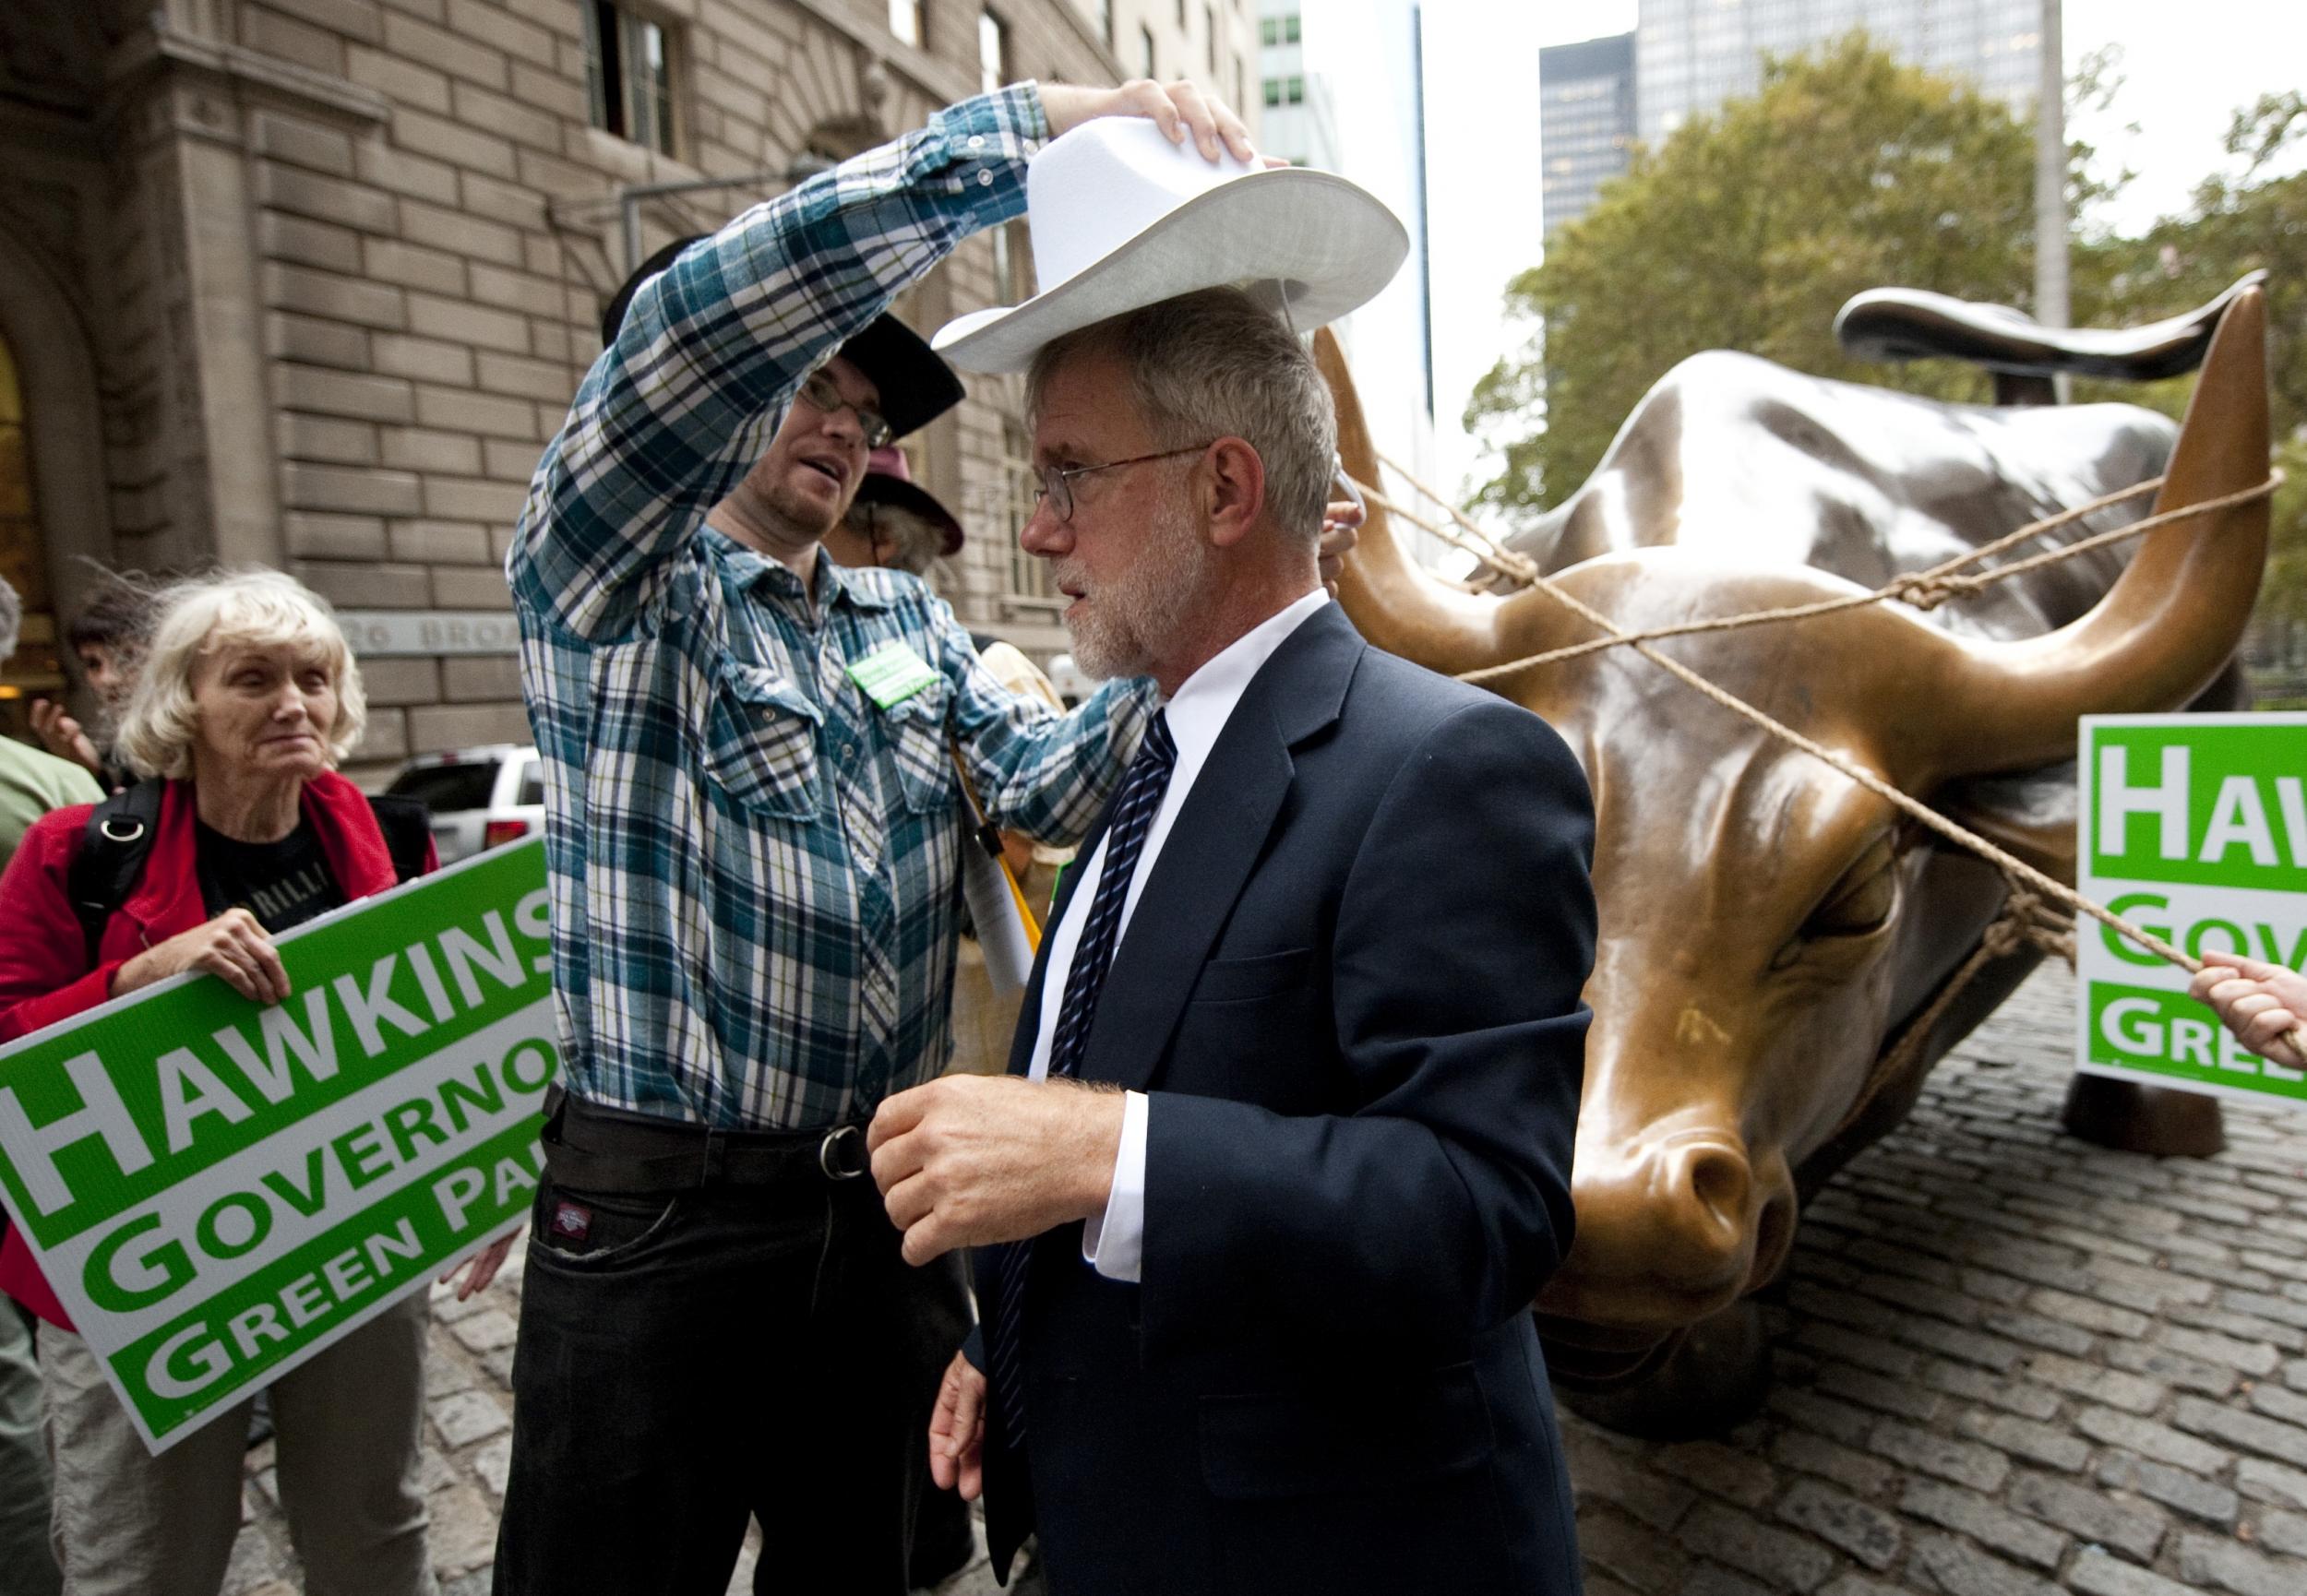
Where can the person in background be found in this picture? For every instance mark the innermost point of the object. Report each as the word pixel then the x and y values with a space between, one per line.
pixel 248 700
pixel 893 522
pixel 31 784
pixel 108 637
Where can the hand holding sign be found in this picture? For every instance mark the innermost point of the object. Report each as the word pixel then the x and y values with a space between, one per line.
pixel 215 1192
pixel 231 947
pixel 2261 1003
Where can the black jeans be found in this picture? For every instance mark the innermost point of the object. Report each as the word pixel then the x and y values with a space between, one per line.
pixel 693 1359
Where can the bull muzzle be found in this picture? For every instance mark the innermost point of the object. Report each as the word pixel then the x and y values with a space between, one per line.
pixel 1671 1229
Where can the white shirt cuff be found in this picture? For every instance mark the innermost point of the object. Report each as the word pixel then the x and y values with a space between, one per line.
pixel 1114 1244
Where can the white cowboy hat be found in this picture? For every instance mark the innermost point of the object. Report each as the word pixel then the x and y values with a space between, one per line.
pixel 1122 219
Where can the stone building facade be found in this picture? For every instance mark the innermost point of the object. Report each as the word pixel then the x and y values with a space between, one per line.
pixel 310 282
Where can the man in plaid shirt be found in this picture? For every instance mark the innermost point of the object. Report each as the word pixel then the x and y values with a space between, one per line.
pixel 754 832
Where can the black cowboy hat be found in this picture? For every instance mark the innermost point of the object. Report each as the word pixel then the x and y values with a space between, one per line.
pixel 916 386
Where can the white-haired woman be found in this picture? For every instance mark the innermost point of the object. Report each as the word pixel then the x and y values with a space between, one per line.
pixel 248 699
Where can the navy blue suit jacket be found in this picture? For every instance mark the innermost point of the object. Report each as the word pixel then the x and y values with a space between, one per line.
pixel 1351 985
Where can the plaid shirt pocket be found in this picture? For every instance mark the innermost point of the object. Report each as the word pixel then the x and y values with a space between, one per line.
pixel 760 742
pixel 914 730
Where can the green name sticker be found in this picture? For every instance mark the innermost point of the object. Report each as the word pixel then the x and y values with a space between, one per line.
pixel 891 674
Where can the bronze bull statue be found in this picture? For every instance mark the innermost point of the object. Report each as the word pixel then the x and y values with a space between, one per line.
pixel 1770 929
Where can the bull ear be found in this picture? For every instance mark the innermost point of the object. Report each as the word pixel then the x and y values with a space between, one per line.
pixel 2171 620
pixel 1395 601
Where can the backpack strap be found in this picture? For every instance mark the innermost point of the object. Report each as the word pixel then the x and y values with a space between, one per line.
pixel 111 862
pixel 121 829
pixel 408 828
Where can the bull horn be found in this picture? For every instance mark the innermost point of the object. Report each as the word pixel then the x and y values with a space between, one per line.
pixel 2172 621
pixel 1395 601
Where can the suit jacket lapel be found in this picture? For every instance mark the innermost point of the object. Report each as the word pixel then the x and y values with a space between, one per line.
pixel 1211 848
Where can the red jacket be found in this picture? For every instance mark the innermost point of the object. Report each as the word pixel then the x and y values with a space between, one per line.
pixel 44 973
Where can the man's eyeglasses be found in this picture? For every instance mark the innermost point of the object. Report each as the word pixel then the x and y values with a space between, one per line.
pixel 824 396
pixel 1056 483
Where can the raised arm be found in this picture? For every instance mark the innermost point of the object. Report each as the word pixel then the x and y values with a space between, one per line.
pixel 712 349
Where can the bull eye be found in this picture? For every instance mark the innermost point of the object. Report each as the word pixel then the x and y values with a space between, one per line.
pixel 1862 900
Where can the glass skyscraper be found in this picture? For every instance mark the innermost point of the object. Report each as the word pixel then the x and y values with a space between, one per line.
pixel 1691 55
pixel 1586 123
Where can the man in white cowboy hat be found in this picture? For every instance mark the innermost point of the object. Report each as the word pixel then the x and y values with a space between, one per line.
pixel 1284 1150
pixel 753 836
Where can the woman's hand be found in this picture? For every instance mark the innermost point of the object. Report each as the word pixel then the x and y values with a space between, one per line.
pixel 231 947
pixel 63 736
pixel 2261 1003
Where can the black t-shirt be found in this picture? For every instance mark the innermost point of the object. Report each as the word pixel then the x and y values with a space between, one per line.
pixel 282 884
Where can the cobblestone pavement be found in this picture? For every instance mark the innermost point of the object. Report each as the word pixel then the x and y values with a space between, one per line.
pixel 2009 1364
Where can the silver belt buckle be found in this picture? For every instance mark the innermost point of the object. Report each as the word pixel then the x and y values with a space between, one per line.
pixel 831 1156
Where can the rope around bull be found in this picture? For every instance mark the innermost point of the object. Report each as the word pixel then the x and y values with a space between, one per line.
pixel 2025 919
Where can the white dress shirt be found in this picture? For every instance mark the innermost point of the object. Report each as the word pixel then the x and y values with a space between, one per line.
pixel 1114 1244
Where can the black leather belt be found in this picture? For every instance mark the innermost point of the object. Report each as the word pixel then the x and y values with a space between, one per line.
pixel 591 1148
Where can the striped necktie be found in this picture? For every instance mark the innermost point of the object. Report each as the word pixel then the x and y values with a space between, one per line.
pixel 1135 805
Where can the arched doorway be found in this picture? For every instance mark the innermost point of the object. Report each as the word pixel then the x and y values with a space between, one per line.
pixel 36 668
pixel 56 479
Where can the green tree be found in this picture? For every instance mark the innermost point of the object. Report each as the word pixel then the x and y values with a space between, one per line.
pixel 1747 231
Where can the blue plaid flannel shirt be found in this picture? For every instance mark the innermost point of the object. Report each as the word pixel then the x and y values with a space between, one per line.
pixel 755 870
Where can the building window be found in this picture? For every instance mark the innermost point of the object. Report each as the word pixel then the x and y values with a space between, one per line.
pixel 1289 29
pixel 908 22
pixel 1269 30
pixel 628 70
pixel 1294 91
pixel 1274 91
pixel 1181 16
pixel 992 51
pixel 1145 42
pixel 1105 22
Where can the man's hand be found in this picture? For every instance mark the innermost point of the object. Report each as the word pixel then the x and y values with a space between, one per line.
pixel 63 736
pixel 1341 529
pixel 2261 1003
pixel 1178 109
pixel 968 1160
pixel 233 946
pixel 957 1431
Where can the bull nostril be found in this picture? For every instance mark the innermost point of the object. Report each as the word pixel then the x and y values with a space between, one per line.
pixel 1720 1179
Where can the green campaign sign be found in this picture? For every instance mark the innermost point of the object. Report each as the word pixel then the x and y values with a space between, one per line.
pixel 2194 827
pixel 216 1190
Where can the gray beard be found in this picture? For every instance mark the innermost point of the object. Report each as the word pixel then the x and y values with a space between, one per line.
pixel 1132 615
